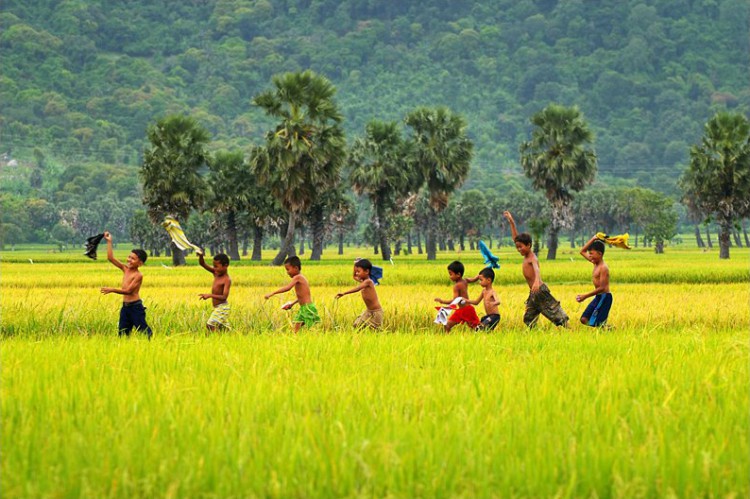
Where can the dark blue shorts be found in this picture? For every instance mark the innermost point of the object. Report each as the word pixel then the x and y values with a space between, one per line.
pixel 133 315
pixel 489 321
pixel 598 310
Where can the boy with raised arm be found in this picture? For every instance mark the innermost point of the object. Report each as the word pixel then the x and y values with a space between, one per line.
pixel 597 312
pixel 308 313
pixel 373 316
pixel 132 313
pixel 219 291
pixel 465 313
pixel 540 300
pixel 489 297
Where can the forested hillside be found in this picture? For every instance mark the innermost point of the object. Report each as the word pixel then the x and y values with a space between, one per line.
pixel 81 79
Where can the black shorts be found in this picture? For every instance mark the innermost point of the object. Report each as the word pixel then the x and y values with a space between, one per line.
pixel 489 321
pixel 133 315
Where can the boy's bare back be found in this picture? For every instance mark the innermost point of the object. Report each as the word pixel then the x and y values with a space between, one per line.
pixel 461 289
pixel 302 289
pixel 370 295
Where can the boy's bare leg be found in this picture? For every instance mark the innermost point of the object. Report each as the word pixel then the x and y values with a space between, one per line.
pixel 449 326
pixel 297 326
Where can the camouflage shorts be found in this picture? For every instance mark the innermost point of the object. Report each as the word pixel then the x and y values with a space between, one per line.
pixel 542 302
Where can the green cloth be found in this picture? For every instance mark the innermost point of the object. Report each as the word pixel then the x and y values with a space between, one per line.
pixel 308 314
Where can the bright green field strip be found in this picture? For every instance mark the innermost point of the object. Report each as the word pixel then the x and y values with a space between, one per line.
pixel 633 414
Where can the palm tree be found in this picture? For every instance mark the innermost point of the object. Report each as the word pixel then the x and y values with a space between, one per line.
pixel 442 155
pixel 559 162
pixel 718 178
pixel 380 172
pixel 172 184
pixel 304 153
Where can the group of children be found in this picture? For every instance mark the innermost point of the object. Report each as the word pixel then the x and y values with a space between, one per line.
pixel 458 310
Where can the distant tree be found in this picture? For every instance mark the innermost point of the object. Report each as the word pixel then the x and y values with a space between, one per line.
pixel 442 155
pixel 344 219
pixel 232 184
pixel 559 162
pixel 304 153
pixel 171 171
pixel 717 180
pixel 380 172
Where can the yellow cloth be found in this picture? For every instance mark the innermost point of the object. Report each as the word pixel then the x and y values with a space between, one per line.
pixel 620 241
pixel 177 235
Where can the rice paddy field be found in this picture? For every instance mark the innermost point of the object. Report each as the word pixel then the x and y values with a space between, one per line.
pixel 656 406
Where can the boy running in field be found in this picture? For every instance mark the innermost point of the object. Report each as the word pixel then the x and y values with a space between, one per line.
pixel 219 291
pixel 540 300
pixel 308 314
pixel 597 312
pixel 465 312
pixel 490 298
pixel 132 313
pixel 373 316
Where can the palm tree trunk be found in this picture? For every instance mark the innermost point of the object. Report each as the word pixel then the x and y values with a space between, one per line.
pixel 341 242
pixel 725 230
pixel 381 228
pixel 178 256
pixel 408 242
pixel 257 243
pixel 234 250
pixel 552 242
pixel 419 242
pixel 737 240
pixel 318 232
pixel 659 246
pixel 572 239
pixel 698 238
pixel 244 246
pixel 708 237
pixel 744 232
pixel 287 245
pixel 301 240
pixel 431 236
pixel 461 241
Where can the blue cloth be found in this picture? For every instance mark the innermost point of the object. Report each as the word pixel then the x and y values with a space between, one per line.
pixel 376 273
pixel 133 315
pixel 598 310
pixel 490 260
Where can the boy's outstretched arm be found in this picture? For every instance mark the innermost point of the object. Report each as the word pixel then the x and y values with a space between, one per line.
pixel 134 284
pixel 355 289
pixel 472 279
pixel 509 218
pixel 110 253
pixel 478 300
pixel 203 262
pixel 283 289
pixel 585 248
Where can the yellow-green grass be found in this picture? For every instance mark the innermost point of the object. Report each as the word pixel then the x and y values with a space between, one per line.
pixel 656 406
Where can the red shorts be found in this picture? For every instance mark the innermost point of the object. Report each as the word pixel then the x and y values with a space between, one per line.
pixel 466 314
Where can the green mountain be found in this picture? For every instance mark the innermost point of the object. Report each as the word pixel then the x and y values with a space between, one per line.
pixel 80 80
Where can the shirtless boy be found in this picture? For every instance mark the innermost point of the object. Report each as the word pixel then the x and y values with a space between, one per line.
pixel 308 313
pixel 540 300
pixel 465 313
pixel 219 291
pixel 597 312
pixel 373 316
pixel 489 297
pixel 132 313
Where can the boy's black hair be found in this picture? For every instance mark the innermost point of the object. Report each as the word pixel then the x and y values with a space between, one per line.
pixel 597 245
pixel 364 264
pixel 222 259
pixel 457 268
pixel 294 262
pixel 487 273
pixel 142 256
pixel 523 238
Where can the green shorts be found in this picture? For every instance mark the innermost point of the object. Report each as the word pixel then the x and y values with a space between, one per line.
pixel 307 314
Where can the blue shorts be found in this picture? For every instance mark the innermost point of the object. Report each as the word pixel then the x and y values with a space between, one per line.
pixel 133 315
pixel 598 310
